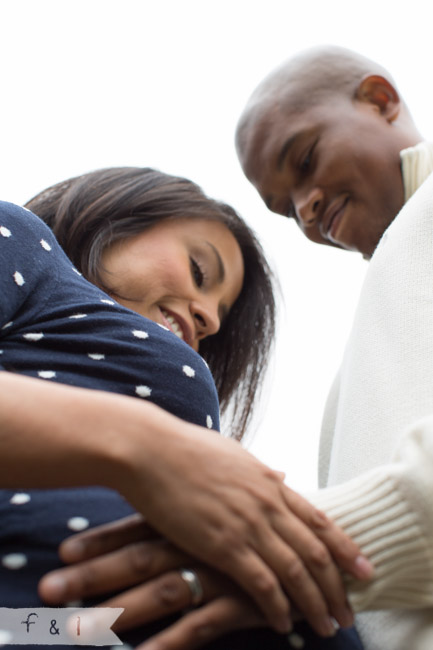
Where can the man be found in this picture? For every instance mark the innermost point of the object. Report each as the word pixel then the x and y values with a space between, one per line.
pixel 327 140
pixel 320 139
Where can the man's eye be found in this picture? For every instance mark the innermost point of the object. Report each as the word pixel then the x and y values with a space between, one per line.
pixel 197 273
pixel 306 161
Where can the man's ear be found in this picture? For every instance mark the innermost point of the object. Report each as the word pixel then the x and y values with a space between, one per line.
pixel 378 91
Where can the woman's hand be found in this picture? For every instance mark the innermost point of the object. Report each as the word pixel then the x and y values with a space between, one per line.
pixel 229 511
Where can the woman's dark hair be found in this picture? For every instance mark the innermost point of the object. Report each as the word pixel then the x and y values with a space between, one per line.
pixel 89 212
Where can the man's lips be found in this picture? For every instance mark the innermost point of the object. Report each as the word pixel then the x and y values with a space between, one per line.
pixel 332 217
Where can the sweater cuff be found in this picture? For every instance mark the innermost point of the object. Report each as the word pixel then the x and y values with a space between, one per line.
pixel 374 509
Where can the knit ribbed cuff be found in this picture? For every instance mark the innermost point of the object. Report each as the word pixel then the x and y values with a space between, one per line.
pixel 375 512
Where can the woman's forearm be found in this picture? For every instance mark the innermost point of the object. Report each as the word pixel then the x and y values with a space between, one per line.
pixel 203 492
pixel 53 435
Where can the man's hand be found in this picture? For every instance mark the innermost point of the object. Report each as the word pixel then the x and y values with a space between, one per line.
pixel 119 556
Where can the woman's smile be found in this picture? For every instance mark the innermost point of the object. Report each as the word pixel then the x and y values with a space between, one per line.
pixel 170 321
pixel 185 274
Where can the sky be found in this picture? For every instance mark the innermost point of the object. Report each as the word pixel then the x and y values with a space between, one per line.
pixel 97 83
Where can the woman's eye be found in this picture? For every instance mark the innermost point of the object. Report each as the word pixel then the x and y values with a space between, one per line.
pixel 197 273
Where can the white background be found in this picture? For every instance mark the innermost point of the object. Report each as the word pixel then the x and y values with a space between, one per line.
pixel 96 83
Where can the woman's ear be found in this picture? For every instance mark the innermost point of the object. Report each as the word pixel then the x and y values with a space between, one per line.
pixel 378 91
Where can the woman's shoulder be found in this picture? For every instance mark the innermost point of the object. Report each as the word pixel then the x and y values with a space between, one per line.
pixel 25 240
pixel 20 221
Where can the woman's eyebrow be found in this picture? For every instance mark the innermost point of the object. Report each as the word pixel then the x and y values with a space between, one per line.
pixel 220 265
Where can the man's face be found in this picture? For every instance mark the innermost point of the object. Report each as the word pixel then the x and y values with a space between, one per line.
pixel 335 168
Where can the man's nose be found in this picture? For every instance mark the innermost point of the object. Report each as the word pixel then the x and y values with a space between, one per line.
pixel 309 206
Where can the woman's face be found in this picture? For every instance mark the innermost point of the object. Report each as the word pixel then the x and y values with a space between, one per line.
pixel 185 274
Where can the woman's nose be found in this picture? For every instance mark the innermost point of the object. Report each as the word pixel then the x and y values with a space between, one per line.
pixel 309 207
pixel 206 318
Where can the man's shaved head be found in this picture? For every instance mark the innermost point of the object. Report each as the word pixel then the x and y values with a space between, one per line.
pixel 320 139
pixel 307 79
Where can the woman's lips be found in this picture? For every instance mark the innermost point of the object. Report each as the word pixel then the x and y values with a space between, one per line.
pixel 175 325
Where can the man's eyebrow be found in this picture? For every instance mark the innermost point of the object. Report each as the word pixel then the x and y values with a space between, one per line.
pixel 221 269
pixel 286 148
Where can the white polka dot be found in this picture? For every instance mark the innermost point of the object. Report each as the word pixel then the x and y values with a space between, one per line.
pixel 96 357
pixel 7 325
pixel 5 637
pixel 296 641
pixel 1 351
pixel 19 499
pixel 14 561
pixel 188 371
pixel 140 334
pixel 78 316
pixel 143 391
pixel 19 280
pixel 45 245
pixel 163 327
pixel 78 523
pixel 33 336
pixel 205 362
pixel 5 232
pixel 209 422
pixel 76 270
pixel 46 374
pixel 107 302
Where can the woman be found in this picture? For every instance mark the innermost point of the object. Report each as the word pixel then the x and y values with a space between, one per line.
pixel 58 328
pixel 91 212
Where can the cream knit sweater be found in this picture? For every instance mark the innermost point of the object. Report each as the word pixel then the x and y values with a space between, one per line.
pixel 377 436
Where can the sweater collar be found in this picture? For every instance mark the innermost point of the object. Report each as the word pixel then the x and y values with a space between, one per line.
pixel 416 165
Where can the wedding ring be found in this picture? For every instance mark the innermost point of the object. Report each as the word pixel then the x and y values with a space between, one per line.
pixel 191 579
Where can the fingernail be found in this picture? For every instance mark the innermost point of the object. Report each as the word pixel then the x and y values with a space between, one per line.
pixel 327 627
pixel 363 567
pixel 56 586
pixel 345 617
